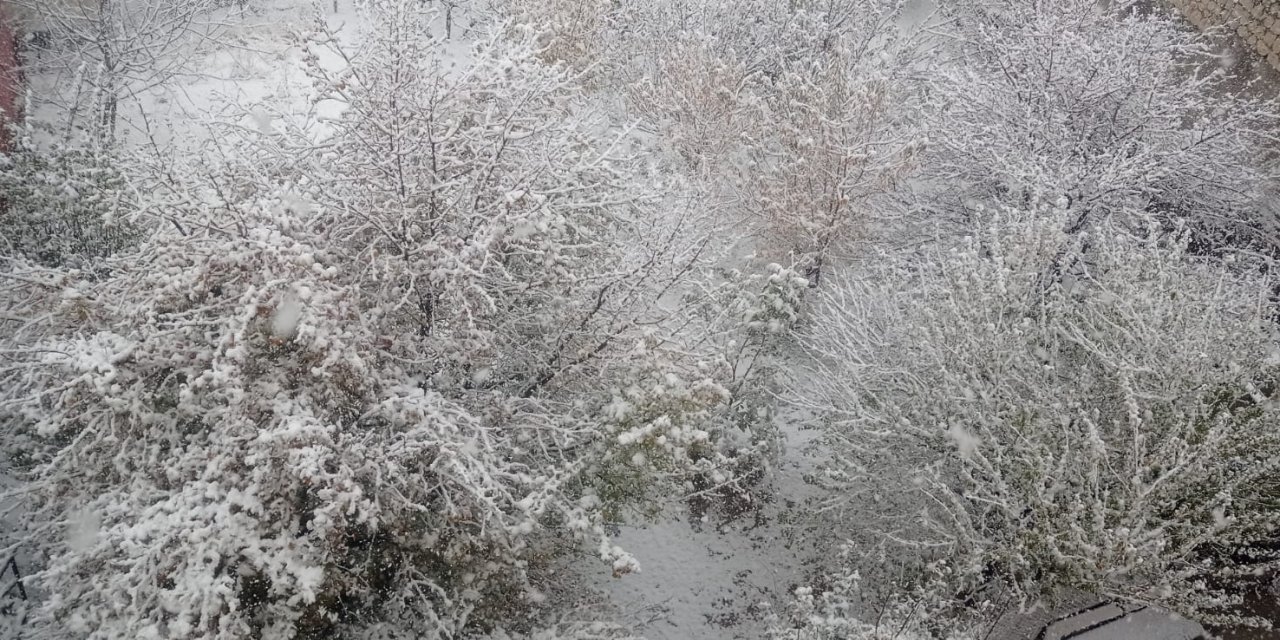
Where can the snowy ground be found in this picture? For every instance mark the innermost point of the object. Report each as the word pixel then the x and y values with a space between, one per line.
pixel 713 579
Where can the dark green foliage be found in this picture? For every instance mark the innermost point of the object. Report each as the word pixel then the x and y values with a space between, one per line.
pixel 60 207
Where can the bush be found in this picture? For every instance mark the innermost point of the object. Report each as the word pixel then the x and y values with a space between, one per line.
pixel 64 206
pixel 1050 410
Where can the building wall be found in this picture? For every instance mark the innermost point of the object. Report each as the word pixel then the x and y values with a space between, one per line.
pixel 1255 22
pixel 10 77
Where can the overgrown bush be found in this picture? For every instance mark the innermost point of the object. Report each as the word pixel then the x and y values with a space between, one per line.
pixel 1048 409
pixel 365 385
pixel 64 206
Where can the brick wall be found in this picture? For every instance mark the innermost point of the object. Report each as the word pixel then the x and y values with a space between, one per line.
pixel 1255 22
pixel 10 78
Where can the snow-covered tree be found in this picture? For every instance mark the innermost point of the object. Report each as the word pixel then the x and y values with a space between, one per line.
pixel 838 131
pixel 1110 107
pixel 802 115
pixel 1109 425
pixel 375 369
pixel 104 52
pixel 849 607
pixel 572 32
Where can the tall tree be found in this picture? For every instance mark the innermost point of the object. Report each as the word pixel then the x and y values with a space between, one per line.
pixel 1109 108
pixel 377 368
pixel 100 53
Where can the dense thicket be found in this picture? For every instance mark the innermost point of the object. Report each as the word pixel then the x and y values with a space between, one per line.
pixel 375 366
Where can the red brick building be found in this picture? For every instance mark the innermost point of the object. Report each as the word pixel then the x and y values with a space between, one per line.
pixel 10 76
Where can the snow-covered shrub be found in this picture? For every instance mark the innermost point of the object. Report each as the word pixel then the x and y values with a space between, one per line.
pixel 748 319
pixel 1109 107
pixel 698 96
pixel 760 310
pixel 374 369
pixel 800 117
pixel 803 114
pixel 712 422
pixel 1047 409
pixel 573 32
pixel 63 206
pixel 849 607
pixel 837 133
pixel 572 631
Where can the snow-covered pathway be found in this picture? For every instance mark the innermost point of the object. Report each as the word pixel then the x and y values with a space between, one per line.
pixel 718 579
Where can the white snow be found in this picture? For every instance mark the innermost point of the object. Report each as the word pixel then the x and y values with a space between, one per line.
pixel 82 529
pixel 284 322
pixel 716 580
pixel 965 441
